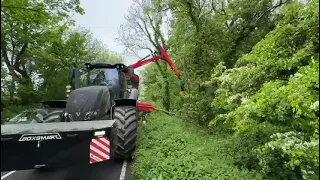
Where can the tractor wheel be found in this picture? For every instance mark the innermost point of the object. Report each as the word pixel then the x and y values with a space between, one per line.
pixel 125 134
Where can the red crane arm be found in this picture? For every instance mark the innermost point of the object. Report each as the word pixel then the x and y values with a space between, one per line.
pixel 145 107
pixel 142 106
pixel 163 55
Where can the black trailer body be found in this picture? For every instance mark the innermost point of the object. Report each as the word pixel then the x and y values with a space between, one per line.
pixel 58 145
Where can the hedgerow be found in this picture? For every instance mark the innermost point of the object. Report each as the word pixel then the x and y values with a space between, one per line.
pixel 276 86
pixel 263 87
pixel 170 148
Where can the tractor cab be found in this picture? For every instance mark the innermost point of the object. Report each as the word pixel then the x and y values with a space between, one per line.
pixel 108 74
pixel 111 75
pixel 102 74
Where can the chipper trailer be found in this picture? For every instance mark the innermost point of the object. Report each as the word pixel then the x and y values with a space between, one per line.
pixel 96 123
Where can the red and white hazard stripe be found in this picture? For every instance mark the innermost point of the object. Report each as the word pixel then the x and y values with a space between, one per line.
pixel 99 150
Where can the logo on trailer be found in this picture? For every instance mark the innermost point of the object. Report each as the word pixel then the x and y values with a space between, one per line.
pixel 40 137
pixel 78 113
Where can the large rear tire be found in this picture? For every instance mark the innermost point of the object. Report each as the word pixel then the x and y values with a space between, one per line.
pixel 125 134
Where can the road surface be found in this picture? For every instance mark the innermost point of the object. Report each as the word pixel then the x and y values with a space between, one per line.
pixel 108 170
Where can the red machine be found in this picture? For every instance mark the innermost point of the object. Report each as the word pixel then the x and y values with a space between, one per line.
pixel 163 56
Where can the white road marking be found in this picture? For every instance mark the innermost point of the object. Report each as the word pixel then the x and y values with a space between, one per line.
pixel 123 170
pixel 8 174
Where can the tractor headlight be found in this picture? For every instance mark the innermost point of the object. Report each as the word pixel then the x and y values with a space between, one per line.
pixel 99 133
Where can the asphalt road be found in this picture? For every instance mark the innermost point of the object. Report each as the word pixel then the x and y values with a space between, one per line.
pixel 108 170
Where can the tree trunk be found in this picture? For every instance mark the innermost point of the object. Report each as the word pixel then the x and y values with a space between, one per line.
pixel 167 99
pixel 12 89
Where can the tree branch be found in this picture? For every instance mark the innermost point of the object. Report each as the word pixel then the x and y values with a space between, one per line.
pixel 192 16
pixel 23 8
pixel 18 61
pixel 270 9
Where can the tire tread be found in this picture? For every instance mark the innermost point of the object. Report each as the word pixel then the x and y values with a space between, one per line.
pixel 125 141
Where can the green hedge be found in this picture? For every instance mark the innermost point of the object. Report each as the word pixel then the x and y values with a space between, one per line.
pixel 170 148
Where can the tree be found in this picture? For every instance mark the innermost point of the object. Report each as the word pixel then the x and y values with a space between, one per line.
pixel 37 40
pixel 142 31
pixel 27 25
pixel 273 91
pixel 75 46
pixel 207 32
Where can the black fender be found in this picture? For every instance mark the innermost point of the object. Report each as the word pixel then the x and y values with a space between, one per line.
pixel 125 102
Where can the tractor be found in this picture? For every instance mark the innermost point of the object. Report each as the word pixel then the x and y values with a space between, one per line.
pixel 97 122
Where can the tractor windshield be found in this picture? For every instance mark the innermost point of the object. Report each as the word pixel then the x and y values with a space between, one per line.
pixel 103 77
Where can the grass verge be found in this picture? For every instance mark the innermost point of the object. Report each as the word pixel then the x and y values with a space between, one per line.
pixel 170 148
